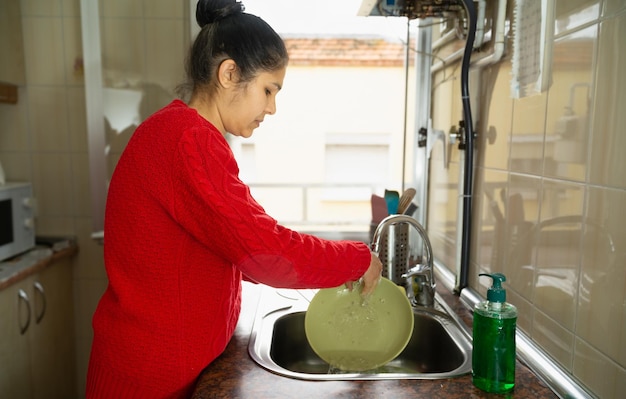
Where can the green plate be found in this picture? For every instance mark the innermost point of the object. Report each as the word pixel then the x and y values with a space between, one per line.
pixel 355 334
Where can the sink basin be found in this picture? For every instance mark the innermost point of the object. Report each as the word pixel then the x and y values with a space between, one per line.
pixel 440 347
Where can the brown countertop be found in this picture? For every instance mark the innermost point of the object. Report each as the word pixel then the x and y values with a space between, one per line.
pixel 235 375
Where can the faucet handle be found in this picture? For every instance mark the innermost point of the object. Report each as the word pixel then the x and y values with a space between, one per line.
pixel 418 269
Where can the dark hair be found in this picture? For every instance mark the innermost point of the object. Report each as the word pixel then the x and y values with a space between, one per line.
pixel 230 33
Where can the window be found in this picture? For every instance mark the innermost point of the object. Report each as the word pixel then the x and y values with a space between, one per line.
pixel 355 159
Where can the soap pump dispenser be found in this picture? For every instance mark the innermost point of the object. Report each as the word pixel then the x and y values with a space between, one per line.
pixel 493 355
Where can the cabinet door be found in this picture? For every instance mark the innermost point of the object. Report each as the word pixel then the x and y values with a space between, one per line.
pixel 52 333
pixel 15 374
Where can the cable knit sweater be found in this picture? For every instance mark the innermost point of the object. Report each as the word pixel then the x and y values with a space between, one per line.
pixel 180 230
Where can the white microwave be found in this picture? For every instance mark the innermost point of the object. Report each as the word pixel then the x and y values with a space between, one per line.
pixel 17 219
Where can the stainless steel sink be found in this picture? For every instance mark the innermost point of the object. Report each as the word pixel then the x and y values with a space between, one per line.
pixel 440 346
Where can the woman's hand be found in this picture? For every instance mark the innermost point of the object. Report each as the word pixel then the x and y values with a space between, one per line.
pixel 371 277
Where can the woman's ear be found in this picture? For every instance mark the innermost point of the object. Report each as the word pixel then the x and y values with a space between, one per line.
pixel 227 73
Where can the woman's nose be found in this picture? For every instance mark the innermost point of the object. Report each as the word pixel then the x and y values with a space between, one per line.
pixel 271 106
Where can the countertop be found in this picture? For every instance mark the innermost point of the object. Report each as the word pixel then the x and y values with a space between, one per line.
pixel 18 268
pixel 235 375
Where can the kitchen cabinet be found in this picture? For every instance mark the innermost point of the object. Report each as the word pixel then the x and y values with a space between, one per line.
pixel 12 64
pixel 14 352
pixel 37 335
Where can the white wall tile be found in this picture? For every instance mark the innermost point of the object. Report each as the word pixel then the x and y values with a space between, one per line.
pixel 488 226
pixel 47 117
pixel 38 8
pixel 80 184
pixel 54 225
pixel 11 43
pixel 605 378
pixel 121 8
pixel 528 134
pixel 163 9
pixel 71 8
pixel 123 52
pixel 601 319
pixel 612 7
pixel 89 262
pixel 165 36
pixel 17 165
pixel 559 238
pixel 553 338
pixel 73 51
pixel 53 184
pixel 77 119
pixel 608 139
pixel 496 113
pixel 569 99
pixel 14 135
pixel 572 283
pixel 519 240
pixel 43 51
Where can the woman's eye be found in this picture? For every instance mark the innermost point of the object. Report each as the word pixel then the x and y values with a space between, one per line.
pixel 267 92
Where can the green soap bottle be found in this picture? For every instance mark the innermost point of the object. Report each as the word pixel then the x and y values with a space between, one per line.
pixel 493 355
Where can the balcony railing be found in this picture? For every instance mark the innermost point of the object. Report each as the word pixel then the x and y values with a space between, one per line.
pixel 314 206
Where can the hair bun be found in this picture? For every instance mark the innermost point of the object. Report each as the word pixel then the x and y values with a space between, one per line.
pixel 209 11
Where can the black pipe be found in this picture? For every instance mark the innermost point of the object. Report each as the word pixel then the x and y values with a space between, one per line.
pixel 468 176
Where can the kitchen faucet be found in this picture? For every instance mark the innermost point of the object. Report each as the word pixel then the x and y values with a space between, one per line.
pixel 420 279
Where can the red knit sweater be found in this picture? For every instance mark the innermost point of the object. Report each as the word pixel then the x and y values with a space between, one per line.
pixel 180 229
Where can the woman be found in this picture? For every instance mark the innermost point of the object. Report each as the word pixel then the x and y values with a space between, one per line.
pixel 182 230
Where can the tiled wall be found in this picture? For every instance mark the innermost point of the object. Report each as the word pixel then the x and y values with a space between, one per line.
pixel 43 137
pixel 550 188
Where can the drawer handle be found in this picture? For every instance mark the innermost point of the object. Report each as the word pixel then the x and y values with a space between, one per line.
pixel 44 302
pixel 23 298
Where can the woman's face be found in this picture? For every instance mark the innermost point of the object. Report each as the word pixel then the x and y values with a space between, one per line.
pixel 249 103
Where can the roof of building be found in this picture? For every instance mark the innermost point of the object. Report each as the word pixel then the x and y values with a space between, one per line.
pixel 389 52
pixel 346 51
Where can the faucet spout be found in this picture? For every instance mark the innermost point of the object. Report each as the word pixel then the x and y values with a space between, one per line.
pixel 420 279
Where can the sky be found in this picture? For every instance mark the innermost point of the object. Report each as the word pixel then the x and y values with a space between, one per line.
pixel 323 17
